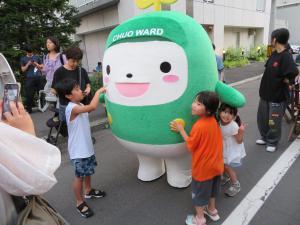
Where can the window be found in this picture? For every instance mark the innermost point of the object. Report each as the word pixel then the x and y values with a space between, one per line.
pixel 260 5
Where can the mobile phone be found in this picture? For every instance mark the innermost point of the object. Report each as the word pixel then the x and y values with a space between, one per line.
pixel 11 93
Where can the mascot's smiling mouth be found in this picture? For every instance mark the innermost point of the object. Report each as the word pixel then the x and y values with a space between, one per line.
pixel 132 90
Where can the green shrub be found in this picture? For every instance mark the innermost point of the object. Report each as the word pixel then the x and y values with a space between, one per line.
pixel 233 54
pixel 258 53
pixel 234 57
pixel 96 82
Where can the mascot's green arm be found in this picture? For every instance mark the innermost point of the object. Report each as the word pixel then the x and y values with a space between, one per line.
pixel 229 95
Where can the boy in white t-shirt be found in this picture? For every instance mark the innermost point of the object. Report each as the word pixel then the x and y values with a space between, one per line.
pixel 80 144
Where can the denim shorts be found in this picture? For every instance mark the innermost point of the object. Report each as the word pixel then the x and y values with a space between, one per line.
pixel 84 167
pixel 202 191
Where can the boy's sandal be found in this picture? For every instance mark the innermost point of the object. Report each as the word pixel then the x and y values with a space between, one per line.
pixel 213 215
pixel 95 193
pixel 84 210
pixel 195 220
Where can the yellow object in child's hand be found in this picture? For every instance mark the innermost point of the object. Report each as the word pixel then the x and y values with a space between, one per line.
pixel 181 121
pixel 174 124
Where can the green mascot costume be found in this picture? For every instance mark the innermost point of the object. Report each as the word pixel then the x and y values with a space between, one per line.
pixel 153 67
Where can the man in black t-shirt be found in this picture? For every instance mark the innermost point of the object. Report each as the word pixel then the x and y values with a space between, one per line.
pixel 71 70
pixel 274 94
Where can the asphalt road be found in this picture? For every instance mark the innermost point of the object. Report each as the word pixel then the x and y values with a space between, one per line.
pixel 132 202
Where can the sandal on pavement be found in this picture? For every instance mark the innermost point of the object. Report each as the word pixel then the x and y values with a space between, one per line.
pixel 195 220
pixel 95 193
pixel 84 210
pixel 213 215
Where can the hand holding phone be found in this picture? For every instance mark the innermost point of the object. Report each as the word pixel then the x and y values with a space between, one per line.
pixel 18 118
pixel 11 94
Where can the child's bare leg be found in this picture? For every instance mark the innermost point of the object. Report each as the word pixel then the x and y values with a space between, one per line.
pixel 211 210
pixel 87 184
pixel 211 204
pixel 231 173
pixel 199 211
pixel 77 187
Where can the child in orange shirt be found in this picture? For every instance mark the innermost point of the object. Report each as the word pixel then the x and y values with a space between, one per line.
pixel 205 145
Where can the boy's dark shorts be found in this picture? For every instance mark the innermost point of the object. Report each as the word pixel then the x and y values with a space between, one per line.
pixel 202 191
pixel 85 166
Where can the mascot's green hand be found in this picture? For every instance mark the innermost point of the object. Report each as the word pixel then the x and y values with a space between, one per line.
pixel 230 95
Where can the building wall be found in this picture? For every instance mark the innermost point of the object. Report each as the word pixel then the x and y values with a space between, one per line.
pixel 224 18
pixel 291 14
pixel 287 2
pixel 235 16
pixel 98 21
pixel 279 23
pixel 93 46
pixel 239 37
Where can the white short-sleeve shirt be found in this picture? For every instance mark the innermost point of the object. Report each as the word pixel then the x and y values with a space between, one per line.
pixel 80 143
pixel 233 152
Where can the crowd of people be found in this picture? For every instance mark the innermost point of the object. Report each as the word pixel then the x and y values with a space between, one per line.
pixel 215 140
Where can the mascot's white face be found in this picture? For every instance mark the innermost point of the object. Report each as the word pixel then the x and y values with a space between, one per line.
pixel 145 73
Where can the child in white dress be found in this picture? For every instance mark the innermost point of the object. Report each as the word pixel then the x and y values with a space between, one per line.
pixel 233 146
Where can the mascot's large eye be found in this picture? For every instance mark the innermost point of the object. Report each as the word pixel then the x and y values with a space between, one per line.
pixel 165 67
pixel 108 69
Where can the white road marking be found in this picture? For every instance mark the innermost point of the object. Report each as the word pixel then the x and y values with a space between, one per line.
pixel 254 200
pixel 245 81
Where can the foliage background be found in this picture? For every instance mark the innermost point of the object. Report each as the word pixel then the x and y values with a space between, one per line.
pixel 237 57
pixel 31 22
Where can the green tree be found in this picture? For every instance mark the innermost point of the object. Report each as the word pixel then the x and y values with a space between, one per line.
pixel 31 22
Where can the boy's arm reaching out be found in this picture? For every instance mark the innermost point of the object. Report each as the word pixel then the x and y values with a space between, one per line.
pixel 90 107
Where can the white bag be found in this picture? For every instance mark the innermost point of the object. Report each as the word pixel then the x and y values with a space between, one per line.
pixel 27 163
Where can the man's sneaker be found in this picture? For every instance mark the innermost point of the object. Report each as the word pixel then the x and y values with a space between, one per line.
pixel 224 179
pixel 95 193
pixel 270 148
pixel 233 189
pixel 260 142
